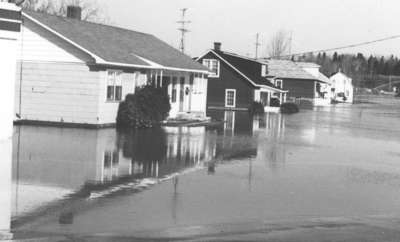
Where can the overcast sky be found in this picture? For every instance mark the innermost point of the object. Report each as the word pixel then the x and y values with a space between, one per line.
pixel 316 24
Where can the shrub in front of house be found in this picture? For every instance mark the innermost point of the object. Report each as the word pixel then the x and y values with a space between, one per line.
pixel 256 108
pixel 274 102
pixel 289 108
pixel 144 109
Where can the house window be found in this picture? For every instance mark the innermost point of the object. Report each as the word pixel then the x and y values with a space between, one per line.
pixel 173 94
pixel 279 83
pixel 213 66
pixel 230 98
pixel 114 86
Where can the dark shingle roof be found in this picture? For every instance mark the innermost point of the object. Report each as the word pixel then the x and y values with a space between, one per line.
pixel 249 67
pixel 114 44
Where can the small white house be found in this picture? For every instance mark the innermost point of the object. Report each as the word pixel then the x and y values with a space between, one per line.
pixel 342 87
pixel 76 72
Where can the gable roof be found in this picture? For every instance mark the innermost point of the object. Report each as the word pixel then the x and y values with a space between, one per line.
pixel 286 69
pixel 248 68
pixel 310 65
pixel 324 78
pixel 114 45
pixel 307 64
pixel 340 73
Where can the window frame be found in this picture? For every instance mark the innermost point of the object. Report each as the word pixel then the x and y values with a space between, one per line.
pixel 209 66
pixel 226 98
pixel 279 81
pixel 117 73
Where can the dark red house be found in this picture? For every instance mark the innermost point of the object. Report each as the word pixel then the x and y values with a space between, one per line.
pixel 303 80
pixel 235 81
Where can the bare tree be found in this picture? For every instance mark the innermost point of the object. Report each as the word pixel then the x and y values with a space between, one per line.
pixel 91 10
pixel 278 45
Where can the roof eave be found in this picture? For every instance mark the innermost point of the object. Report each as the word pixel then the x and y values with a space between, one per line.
pixel 118 64
pixel 101 61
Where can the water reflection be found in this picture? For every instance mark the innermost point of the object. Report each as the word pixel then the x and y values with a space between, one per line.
pixel 60 168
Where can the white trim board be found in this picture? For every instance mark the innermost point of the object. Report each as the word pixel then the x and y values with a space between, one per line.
pixel 9 6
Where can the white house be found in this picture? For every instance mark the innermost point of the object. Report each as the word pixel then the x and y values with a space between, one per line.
pixel 342 87
pixel 76 72
pixel 10 25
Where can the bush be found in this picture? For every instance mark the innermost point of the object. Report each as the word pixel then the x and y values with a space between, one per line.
pixel 144 109
pixel 274 102
pixel 256 108
pixel 289 108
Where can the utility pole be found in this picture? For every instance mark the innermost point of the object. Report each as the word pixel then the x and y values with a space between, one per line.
pixel 183 29
pixel 290 42
pixel 257 44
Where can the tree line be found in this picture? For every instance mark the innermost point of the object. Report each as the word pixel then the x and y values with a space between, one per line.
pixel 365 71
pixel 91 10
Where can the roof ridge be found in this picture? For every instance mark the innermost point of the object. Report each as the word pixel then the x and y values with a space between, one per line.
pixel 86 22
pixel 242 56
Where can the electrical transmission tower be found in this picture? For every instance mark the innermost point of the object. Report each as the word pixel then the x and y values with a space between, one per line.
pixel 183 29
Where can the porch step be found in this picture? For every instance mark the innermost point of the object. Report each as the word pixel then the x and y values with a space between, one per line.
pixel 200 116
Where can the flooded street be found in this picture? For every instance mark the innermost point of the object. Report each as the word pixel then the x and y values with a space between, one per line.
pixel 265 177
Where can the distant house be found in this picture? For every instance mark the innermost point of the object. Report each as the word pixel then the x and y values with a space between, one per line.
pixel 323 87
pixel 235 81
pixel 302 80
pixel 342 87
pixel 77 72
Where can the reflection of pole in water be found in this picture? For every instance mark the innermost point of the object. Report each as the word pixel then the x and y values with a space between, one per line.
pixel 175 182
pixel 250 173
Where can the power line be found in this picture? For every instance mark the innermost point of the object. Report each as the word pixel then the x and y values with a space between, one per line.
pixel 341 47
pixel 183 29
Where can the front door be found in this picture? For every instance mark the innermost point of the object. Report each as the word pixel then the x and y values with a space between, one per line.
pixel 264 96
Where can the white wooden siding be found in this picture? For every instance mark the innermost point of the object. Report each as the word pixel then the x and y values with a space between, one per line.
pixel 108 110
pixel 58 92
pixel 40 45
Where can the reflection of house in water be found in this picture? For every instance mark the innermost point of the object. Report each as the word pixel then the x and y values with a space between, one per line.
pixel 52 163
pixel 237 131
pixel 245 136
pixel 270 148
pixel 56 166
pixel 161 152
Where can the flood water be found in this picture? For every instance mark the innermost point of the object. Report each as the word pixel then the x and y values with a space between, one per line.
pixel 335 163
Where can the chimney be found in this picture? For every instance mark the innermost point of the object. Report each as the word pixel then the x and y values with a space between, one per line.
pixel 217 46
pixel 74 12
